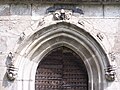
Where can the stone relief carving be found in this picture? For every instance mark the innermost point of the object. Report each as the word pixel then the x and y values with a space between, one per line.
pixel 110 73
pixel 73 8
pixel 62 14
pixel 11 70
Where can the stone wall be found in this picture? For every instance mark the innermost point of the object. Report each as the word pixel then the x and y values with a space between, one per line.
pixel 16 18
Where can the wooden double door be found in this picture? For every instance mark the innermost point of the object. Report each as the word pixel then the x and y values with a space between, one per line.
pixel 61 69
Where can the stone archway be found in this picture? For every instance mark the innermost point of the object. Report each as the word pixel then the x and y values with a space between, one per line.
pixel 61 69
pixel 39 44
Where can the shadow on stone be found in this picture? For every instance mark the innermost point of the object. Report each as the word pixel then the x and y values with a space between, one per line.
pixel 6 82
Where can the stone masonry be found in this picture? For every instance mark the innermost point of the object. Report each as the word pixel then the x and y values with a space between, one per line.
pixel 15 18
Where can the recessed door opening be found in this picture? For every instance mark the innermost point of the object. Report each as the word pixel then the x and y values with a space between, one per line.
pixel 61 69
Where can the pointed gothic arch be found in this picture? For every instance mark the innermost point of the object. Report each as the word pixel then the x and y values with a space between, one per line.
pixel 36 46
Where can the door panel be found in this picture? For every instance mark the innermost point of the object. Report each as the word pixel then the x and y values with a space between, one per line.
pixel 61 69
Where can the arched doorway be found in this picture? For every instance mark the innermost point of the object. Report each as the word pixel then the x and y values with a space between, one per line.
pixel 34 49
pixel 61 69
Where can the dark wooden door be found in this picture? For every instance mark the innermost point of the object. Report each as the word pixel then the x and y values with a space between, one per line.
pixel 61 69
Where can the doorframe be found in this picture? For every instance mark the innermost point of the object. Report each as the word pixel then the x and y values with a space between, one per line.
pixel 35 47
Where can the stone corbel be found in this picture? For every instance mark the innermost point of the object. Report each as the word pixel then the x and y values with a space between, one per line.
pixel 11 69
pixel 110 73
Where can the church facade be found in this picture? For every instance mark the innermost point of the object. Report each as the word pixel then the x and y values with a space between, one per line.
pixel 59 45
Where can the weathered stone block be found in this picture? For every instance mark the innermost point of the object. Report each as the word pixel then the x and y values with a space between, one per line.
pixel 112 10
pixel 4 10
pixel 2 74
pixel 1 85
pixel 105 25
pixel 39 10
pixel 11 43
pixel 116 47
pixel 113 86
pixel 118 73
pixel 2 59
pixel 93 10
pixel 4 26
pixel 20 9
pixel 3 44
pixel 18 26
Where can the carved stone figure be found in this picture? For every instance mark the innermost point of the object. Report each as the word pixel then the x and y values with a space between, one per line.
pixel 110 73
pixel 62 14
pixel 11 72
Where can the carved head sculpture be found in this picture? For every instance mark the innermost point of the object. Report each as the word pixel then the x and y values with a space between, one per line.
pixel 110 73
pixel 62 14
pixel 11 72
